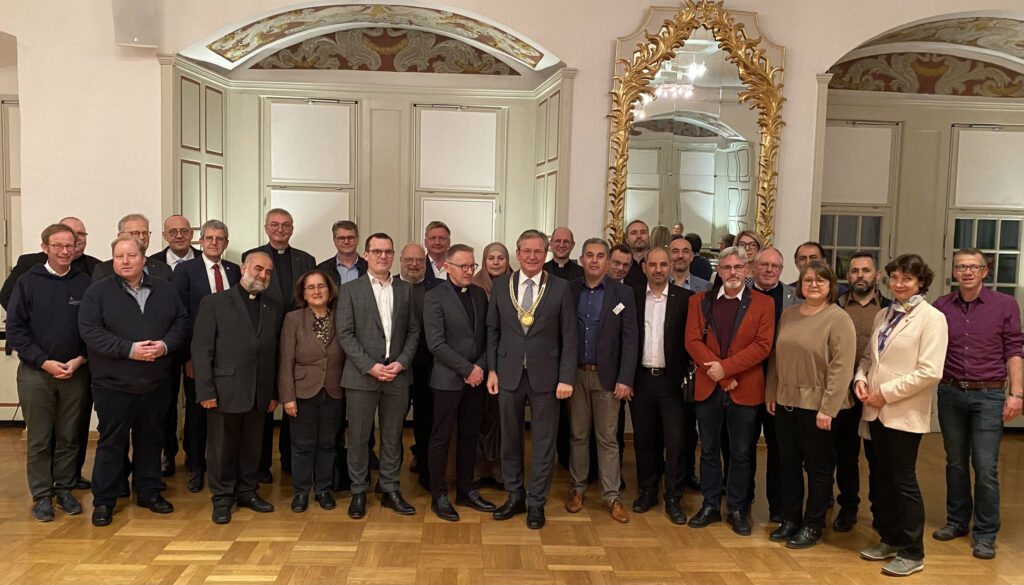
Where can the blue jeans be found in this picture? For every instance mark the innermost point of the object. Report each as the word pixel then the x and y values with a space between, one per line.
pixel 741 423
pixel 972 427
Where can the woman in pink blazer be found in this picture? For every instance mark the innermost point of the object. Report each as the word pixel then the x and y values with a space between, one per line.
pixel 895 380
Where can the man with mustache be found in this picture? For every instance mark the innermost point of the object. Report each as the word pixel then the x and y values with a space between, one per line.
pixel 234 357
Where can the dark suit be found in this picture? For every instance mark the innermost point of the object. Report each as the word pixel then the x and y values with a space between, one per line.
pixel 236 364
pixel 362 337
pixel 284 293
pixel 162 255
pixel 635 277
pixel 192 285
pixel 330 268
pixel 530 366
pixel 421 398
pixel 593 403
pixel 458 341
pixel 430 280
pixel 157 269
pixel 657 408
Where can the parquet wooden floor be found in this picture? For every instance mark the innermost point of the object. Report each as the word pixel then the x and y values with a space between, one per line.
pixel 328 547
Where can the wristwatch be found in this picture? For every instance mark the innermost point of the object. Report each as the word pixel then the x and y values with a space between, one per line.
pixel 1012 395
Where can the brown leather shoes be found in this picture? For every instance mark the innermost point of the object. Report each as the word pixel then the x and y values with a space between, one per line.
pixel 575 502
pixel 618 512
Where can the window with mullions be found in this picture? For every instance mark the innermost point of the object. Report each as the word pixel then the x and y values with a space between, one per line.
pixel 842 234
pixel 1000 240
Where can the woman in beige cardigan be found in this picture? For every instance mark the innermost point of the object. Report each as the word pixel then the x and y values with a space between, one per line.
pixel 895 380
pixel 809 375
pixel 308 380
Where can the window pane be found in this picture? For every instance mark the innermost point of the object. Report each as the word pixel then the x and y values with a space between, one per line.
pixel 1009 235
pixel 846 235
pixel 990 261
pixel 963 234
pixel 826 231
pixel 870 231
pixel 986 234
pixel 1007 268
pixel 843 263
pixel 1009 290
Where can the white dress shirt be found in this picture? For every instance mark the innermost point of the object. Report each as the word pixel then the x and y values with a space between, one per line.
pixel 173 259
pixel 439 271
pixel 384 294
pixel 654 328
pixel 209 274
pixel 522 286
pixel 721 292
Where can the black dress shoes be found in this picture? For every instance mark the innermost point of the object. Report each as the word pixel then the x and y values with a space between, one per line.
pixel 535 517
pixel 156 504
pixel 806 538
pixel 300 502
pixel 221 513
pixel 444 510
pixel 739 523
pixel 784 532
pixel 514 505
pixel 705 516
pixel 474 500
pixel 645 501
pixel 102 515
pixel 326 501
pixel 844 521
pixel 195 481
pixel 396 502
pixel 674 510
pixel 264 476
pixel 357 507
pixel 255 503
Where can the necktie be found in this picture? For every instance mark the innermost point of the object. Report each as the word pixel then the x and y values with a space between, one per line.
pixel 217 279
pixel 526 302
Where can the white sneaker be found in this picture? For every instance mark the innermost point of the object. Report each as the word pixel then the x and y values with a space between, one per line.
pixel 902 567
pixel 879 552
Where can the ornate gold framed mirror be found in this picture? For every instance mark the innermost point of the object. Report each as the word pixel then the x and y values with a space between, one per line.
pixel 683 103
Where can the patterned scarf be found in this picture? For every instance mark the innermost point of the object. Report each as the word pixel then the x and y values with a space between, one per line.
pixel 322 327
pixel 894 314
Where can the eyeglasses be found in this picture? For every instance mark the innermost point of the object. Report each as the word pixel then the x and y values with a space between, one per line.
pixel 313 287
pixel 144 234
pixel 379 253
pixel 59 247
pixel 747 245
pixel 181 232
pixel 769 266
pixel 972 268
pixel 820 282
pixel 286 226
pixel 409 260
pixel 345 238
pixel 218 239
pixel 732 267
pixel 464 267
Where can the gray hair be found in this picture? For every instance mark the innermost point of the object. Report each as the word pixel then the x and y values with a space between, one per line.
pixel 130 217
pixel 213 224
pixel 757 257
pixel 253 254
pixel 277 211
pixel 597 242
pixel 531 234
pixel 737 251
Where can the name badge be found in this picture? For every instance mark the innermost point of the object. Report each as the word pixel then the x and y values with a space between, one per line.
pixel 618 308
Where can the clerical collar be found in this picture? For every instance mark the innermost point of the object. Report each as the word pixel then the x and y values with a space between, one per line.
pixel 458 289
pixel 762 289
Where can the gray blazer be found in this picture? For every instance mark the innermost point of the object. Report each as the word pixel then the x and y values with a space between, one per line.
pixel 549 345
pixel 457 342
pixel 789 297
pixel 362 335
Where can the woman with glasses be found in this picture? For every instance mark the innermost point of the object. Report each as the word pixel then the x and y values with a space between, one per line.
pixel 895 378
pixel 808 377
pixel 311 360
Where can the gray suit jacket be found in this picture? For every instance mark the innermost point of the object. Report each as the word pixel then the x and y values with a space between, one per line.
pixel 362 335
pixel 549 345
pixel 789 297
pixel 457 342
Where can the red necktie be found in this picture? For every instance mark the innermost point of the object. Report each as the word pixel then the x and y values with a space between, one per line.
pixel 217 278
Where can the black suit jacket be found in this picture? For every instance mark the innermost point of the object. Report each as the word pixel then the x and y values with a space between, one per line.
pixel 700 266
pixel 233 362
pixel 677 361
pixel 429 280
pixel 162 254
pixel 283 292
pixel 635 278
pixel 329 266
pixel 549 344
pixel 84 263
pixel 192 284
pixel 157 269
pixel 457 341
pixel 617 342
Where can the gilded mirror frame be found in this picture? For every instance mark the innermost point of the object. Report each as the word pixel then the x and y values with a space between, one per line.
pixel 762 79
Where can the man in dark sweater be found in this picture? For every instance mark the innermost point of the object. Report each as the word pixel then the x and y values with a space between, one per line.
pixel 42 325
pixel 132 324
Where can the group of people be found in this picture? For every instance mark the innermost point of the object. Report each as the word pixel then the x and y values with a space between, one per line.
pixel 345 345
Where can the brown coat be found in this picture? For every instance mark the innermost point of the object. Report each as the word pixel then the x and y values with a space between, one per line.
pixel 306 364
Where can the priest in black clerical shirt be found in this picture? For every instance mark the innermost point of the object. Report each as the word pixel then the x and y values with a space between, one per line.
pixel 560 265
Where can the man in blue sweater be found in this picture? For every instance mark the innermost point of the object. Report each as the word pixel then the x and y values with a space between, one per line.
pixel 42 326
pixel 132 323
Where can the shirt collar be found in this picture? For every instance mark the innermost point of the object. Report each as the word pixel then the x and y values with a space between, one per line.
pixel 172 258
pixel 338 262
pixel 209 263
pixel 721 292
pixel 54 272
pixel 651 295
pixel 535 278
pixel 381 283
pixel 983 295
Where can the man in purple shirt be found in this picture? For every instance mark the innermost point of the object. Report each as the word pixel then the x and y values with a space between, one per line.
pixel 984 350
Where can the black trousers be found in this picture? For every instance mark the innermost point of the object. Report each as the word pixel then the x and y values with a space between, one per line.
pixel 901 514
pixel 84 423
pixel 195 429
pixel 846 441
pixel 690 439
pixel 170 425
pixel 803 446
pixel 874 480
pixel 658 437
pixel 464 407
pixel 421 397
pixel 772 477
pixel 233 453
pixel 314 430
pixel 125 416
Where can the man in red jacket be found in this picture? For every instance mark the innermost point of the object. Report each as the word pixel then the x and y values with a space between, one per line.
pixel 729 332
